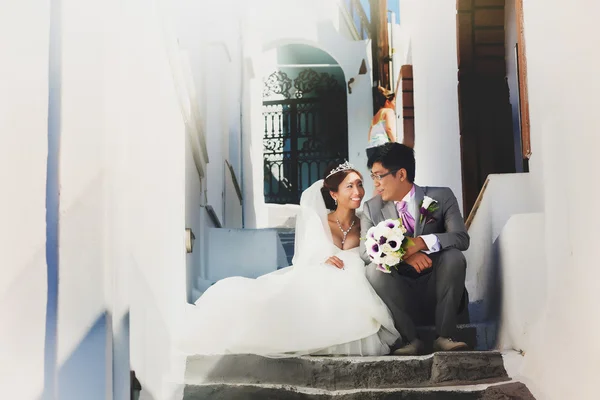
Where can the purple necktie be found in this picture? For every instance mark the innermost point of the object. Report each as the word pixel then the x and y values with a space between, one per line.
pixel 407 219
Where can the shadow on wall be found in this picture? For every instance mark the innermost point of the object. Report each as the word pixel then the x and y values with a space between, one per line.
pixel 151 356
pixel 506 275
pixel 120 360
pixel 83 374
pixel 504 196
pixel 53 196
pixel 495 285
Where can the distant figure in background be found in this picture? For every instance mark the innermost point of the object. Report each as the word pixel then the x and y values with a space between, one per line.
pixel 383 125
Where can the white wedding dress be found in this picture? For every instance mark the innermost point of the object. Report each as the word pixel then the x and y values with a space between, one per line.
pixel 308 308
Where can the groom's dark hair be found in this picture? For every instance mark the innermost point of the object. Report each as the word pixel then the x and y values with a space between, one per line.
pixel 394 156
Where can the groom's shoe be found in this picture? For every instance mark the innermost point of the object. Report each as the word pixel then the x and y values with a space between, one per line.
pixel 413 348
pixel 447 344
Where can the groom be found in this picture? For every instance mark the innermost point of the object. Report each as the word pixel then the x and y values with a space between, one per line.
pixel 430 282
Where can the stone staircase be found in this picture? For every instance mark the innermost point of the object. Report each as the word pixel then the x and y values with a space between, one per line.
pixel 286 235
pixel 478 374
pixel 465 375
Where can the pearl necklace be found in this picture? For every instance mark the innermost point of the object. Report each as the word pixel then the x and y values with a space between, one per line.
pixel 345 233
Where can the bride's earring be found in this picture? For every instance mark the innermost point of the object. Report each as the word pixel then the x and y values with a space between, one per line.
pixel 335 201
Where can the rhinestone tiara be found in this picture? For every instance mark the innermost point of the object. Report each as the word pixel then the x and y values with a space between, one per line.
pixel 342 167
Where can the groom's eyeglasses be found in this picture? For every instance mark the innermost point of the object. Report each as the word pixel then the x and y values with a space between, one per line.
pixel 380 177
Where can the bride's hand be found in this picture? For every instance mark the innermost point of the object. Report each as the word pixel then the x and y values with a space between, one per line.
pixel 336 262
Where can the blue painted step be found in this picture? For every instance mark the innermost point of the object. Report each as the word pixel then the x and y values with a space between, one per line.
pixel 286 235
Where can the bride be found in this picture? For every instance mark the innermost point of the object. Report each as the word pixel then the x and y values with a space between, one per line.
pixel 321 305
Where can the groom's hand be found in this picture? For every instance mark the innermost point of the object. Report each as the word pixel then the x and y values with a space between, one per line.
pixel 419 261
pixel 419 245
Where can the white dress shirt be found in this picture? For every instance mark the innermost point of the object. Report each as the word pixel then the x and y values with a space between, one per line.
pixel 431 241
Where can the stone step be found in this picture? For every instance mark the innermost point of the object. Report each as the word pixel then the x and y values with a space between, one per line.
pixel 286 233
pixel 512 390
pixel 287 237
pixel 345 373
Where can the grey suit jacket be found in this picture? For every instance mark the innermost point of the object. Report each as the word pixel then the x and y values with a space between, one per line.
pixel 449 226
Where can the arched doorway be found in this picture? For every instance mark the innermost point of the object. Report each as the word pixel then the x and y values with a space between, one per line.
pixel 305 120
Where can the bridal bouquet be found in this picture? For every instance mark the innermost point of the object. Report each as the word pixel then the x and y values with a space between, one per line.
pixel 386 244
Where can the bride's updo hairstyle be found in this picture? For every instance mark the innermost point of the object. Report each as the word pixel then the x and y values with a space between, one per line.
pixel 332 182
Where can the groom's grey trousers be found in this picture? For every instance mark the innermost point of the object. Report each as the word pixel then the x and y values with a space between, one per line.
pixel 436 294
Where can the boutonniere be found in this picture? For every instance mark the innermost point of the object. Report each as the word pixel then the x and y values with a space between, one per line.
pixel 428 207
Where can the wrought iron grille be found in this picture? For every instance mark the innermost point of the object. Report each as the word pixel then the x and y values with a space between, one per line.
pixel 302 135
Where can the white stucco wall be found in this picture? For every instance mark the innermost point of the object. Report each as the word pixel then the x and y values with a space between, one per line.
pixel 194 193
pixel 564 167
pixel 505 195
pixel 524 282
pixel 24 43
pixel 214 55
pixel 157 178
pixel 431 28
pixel 546 260
pixel 233 93
pixel 124 122
pixel 82 311
pixel 233 203
pixel 215 76
pixel 314 23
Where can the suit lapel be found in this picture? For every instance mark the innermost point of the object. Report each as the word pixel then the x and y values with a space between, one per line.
pixel 389 210
pixel 416 209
